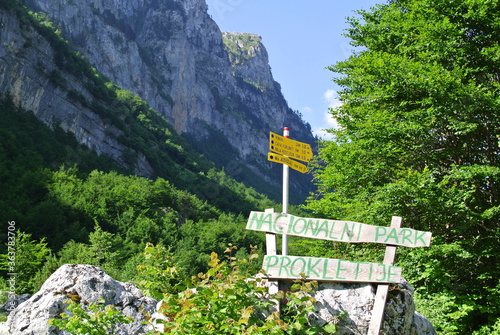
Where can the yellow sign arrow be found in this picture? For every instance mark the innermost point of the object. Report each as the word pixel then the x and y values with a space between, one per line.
pixel 291 148
pixel 285 160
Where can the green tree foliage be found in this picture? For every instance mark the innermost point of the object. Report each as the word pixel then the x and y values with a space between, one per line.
pixel 29 151
pixel 220 301
pixel 158 272
pixel 86 210
pixel 418 137
pixel 24 259
pixel 141 129
pixel 199 239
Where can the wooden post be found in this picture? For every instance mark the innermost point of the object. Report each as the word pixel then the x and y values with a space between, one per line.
pixel 271 250
pixel 382 290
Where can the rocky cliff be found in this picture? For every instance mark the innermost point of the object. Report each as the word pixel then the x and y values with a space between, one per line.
pixel 30 74
pixel 216 89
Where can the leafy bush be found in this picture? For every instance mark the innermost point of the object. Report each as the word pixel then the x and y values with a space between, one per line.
pixel 24 259
pixel 225 301
pixel 96 319
pixel 158 274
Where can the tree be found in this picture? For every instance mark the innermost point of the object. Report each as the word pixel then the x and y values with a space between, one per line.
pixel 103 247
pixel 24 259
pixel 418 137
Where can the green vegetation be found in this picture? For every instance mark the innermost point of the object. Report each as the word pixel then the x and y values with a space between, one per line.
pixel 29 257
pixel 226 302
pixel 418 138
pixel 135 124
pixel 220 301
pixel 239 45
pixel 78 207
pixel 79 214
pixel 97 319
pixel 70 205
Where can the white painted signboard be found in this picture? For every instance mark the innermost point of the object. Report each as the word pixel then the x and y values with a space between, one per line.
pixel 334 230
pixel 328 269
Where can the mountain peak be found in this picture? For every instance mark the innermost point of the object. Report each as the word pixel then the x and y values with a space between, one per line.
pixel 249 58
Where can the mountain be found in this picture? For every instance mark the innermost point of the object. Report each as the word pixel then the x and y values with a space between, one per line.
pixel 216 89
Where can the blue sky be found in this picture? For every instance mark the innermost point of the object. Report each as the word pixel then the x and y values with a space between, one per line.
pixel 301 38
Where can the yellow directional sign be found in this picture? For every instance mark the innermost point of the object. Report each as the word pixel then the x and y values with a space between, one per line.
pixel 285 160
pixel 287 147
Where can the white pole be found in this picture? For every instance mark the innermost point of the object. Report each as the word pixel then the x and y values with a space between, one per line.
pixel 286 178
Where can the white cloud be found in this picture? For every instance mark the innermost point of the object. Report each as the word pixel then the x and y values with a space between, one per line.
pixel 322 134
pixel 328 123
pixel 330 120
pixel 331 100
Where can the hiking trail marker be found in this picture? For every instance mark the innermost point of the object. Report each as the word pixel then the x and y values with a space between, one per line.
pixel 290 148
pixel 283 150
pixel 271 156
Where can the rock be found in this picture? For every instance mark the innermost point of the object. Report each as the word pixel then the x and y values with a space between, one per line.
pixel 26 64
pixel 249 59
pixel 13 303
pixel 158 319
pixel 356 300
pixel 83 283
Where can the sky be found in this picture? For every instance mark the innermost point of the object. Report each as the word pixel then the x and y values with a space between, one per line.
pixel 302 38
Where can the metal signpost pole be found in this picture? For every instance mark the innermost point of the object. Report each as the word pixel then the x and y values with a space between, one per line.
pixel 286 178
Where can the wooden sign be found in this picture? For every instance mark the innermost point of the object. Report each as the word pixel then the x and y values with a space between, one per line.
pixel 285 160
pixel 328 269
pixel 291 148
pixel 383 289
pixel 334 230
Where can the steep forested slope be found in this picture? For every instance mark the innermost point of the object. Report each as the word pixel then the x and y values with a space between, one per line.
pixel 173 56
pixel 74 199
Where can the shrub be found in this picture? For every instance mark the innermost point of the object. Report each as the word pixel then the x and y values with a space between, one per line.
pixel 96 319
pixel 225 301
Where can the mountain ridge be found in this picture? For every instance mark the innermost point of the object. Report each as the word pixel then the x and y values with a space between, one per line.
pixel 173 55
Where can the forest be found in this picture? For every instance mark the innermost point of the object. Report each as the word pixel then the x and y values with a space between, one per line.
pixel 418 137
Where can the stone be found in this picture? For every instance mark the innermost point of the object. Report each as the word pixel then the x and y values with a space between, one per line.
pixel 356 301
pixel 349 305
pixel 13 302
pixel 83 283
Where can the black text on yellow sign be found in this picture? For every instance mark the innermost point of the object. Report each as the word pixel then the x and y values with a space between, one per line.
pixel 285 160
pixel 291 148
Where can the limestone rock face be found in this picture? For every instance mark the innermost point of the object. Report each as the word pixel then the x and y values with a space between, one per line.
pixel 174 56
pixel 84 283
pixel 13 302
pixel 249 59
pixel 28 73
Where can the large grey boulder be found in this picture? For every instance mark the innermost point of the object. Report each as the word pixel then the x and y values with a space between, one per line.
pixel 83 283
pixel 356 300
